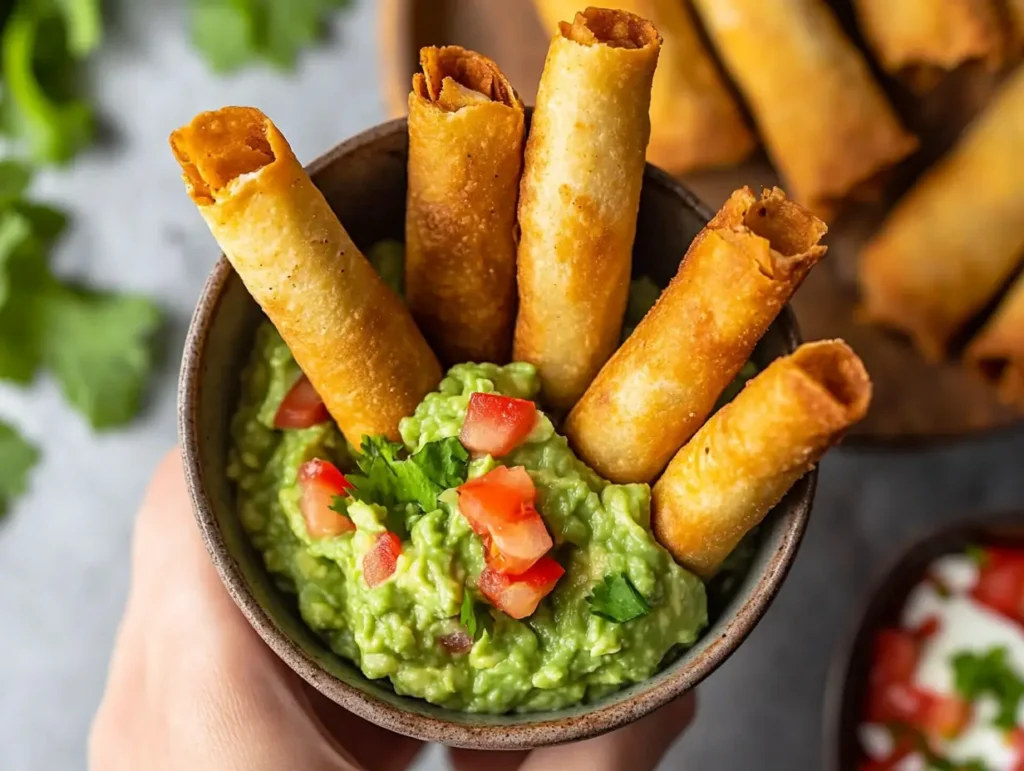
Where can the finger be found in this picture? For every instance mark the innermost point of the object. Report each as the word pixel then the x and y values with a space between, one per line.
pixel 637 747
pixel 480 760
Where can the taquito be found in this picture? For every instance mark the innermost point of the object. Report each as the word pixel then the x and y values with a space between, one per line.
pixel 826 123
pixel 664 381
pixel 919 38
pixel 466 127
pixel 580 195
pixel 695 120
pixel 351 335
pixel 998 350
pixel 955 239
pixel 747 456
pixel 1014 20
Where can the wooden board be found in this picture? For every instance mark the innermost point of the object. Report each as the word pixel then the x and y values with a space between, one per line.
pixel 915 402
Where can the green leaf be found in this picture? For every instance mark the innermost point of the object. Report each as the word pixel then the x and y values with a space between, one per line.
pixel 22 318
pixel 292 26
pixel 14 179
pixel 84 24
pixel 444 462
pixel 224 32
pixel 40 75
pixel 977 555
pixel 15 230
pixel 467 615
pixel 17 457
pixel 990 673
pixel 389 480
pixel 643 293
pixel 616 599
pixel 99 346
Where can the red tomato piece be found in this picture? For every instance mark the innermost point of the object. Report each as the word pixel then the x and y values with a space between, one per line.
pixel 1000 584
pixel 897 703
pixel 499 507
pixel 321 482
pixel 945 717
pixel 519 596
pixel 896 653
pixel 301 407
pixel 495 424
pixel 379 563
pixel 929 628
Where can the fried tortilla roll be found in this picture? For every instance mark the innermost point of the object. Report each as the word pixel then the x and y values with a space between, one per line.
pixel 956 238
pixel 580 195
pixel 915 36
pixel 349 332
pixel 747 456
pixel 661 385
pixel 998 350
pixel 825 122
pixel 1014 10
pixel 465 159
pixel 695 121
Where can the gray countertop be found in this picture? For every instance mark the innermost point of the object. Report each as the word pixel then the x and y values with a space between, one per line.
pixel 63 551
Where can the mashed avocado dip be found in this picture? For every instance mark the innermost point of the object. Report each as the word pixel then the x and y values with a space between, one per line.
pixel 562 654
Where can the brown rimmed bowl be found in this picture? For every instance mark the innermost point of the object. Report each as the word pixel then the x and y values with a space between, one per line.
pixel 848 676
pixel 364 179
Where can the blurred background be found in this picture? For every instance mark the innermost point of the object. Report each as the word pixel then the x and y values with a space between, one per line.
pixel 93 315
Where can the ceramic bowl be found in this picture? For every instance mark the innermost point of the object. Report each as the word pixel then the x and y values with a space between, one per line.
pixel 848 677
pixel 364 179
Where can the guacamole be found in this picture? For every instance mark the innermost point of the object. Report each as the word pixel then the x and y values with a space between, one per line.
pixel 562 654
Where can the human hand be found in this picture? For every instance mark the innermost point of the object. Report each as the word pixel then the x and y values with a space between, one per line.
pixel 191 685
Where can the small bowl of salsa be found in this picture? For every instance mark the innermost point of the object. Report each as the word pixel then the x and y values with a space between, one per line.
pixel 934 677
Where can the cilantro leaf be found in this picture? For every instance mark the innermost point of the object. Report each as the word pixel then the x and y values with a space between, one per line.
pixel 467 615
pixel 99 347
pixel 40 49
pixel 233 33
pixel 14 179
pixel 17 457
pixel 616 599
pixel 977 555
pixel 15 230
pixel 388 259
pixel 389 480
pixel 990 673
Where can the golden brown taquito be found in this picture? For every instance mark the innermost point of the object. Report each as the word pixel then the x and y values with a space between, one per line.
pixel 998 350
pixel 580 195
pixel 664 381
pixel 826 123
pixel 747 456
pixel 466 127
pixel 1013 16
pixel 695 120
pixel 920 38
pixel 350 334
pixel 955 239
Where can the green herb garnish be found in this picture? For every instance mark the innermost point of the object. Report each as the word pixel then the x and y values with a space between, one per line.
pixel 977 555
pixel 234 33
pixel 388 479
pixel 17 457
pixel 990 674
pixel 467 615
pixel 616 599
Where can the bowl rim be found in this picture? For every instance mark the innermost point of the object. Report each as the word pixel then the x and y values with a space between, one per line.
pixel 550 727
pixel 884 590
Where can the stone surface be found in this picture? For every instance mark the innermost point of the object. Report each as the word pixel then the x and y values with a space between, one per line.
pixel 63 552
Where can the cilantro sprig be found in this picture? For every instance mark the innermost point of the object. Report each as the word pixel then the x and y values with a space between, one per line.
pixel 616 599
pixel 467 615
pixel 990 674
pixel 97 345
pixel 389 479
pixel 17 457
pixel 233 33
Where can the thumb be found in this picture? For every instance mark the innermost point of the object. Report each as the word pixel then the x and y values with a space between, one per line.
pixel 637 747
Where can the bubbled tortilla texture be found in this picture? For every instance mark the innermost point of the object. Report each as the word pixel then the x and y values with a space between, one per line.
pixel 561 655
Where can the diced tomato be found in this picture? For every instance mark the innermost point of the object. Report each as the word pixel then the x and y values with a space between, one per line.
pixel 896 703
pixel 519 596
pixel 896 653
pixel 379 563
pixel 945 717
pixel 321 482
pixel 495 424
pixel 301 407
pixel 1001 583
pixel 499 507
pixel 928 628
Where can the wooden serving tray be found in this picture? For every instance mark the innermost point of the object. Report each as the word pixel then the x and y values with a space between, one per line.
pixel 915 402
